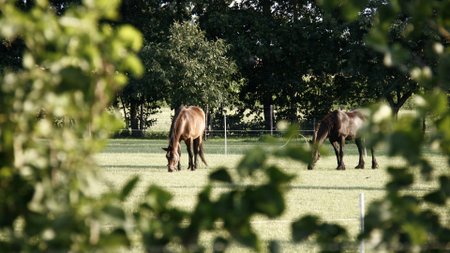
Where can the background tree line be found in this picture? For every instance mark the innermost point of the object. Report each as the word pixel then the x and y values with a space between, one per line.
pixel 254 54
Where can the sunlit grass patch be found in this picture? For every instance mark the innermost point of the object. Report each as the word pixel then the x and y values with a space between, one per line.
pixel 333 195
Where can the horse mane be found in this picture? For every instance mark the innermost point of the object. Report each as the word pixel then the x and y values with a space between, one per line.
pixel 326 124
pixel 174 120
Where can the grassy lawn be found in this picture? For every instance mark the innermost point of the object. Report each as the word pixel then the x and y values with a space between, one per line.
pixel 331 194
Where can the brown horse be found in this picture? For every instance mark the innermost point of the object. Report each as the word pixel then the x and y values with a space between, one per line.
pixel 188 125
pixel 339 126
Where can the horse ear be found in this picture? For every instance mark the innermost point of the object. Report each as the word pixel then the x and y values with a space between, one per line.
pixel 165 149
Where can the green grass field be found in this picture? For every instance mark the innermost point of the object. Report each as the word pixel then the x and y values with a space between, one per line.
pixel 331 194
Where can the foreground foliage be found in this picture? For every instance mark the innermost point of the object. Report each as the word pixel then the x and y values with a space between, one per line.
pixel 401 222
pixel 49 199
pixel 72 67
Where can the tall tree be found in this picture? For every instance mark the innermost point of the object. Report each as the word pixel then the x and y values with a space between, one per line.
pixel 153 18
pixel 198 70
pixel 288 51
pixel 379 81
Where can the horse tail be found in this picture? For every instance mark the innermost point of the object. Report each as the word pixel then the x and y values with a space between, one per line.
pixel 200 152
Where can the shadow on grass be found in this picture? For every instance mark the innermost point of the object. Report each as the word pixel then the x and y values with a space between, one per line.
pixel 326 188
pixel 353 188
pixel 135 167
pixel 340 188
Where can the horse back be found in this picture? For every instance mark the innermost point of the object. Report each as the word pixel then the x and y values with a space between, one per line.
pixel 190 123
pixel 355 122
pixel 343 124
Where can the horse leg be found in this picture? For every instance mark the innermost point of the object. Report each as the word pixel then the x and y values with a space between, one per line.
pixel 374 161
pixel 341 153
pixel 196 150
pixel 189 144
pixel 359 144
pixel 335 145
pixel 179 160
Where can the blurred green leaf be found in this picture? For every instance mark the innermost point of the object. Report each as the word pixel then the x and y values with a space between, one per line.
pixel 400 178
pixel 158 198
pixel 416 233
pixel 128 187
pixel 114 212
pixel 267 200
pixel 305 227
pixel 350 9
pixel 436 197
pixel 115 239
pixel 295 152
pixel 221 175
pixel 274 246
pixel 443 75
pixel 253 160
pixel 407 133
pixel 220 244
pixel 331 232
pixel 244 234
pixel 444 182
pixel 72 79
pixel 278 177
pixel 134 65
pixel 436 102
pixel 131 36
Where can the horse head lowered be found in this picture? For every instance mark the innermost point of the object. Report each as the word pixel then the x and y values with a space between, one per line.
pixel 188 125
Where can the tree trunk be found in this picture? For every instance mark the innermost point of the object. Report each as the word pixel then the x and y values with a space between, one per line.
pixel 141 118
pixel 395 110
pixel 293 113
pixel 134 122
pixel 266 5
pixel 268 112
pixel 125 114
pixel 424 125
pixel 206 123
pixel 295 12
pixel 401 100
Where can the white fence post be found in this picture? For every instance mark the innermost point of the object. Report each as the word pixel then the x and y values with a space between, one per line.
pixel 225 130
pixel 361 218
pixel 271 120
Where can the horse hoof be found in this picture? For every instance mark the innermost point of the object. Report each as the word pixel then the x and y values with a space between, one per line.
pixel 359 167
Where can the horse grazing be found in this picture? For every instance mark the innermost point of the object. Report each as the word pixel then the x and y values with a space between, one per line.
pixel 188 125
pixel 339 126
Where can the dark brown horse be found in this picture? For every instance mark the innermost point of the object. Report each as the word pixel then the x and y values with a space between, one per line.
pixel 188 125
pixel 339 126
